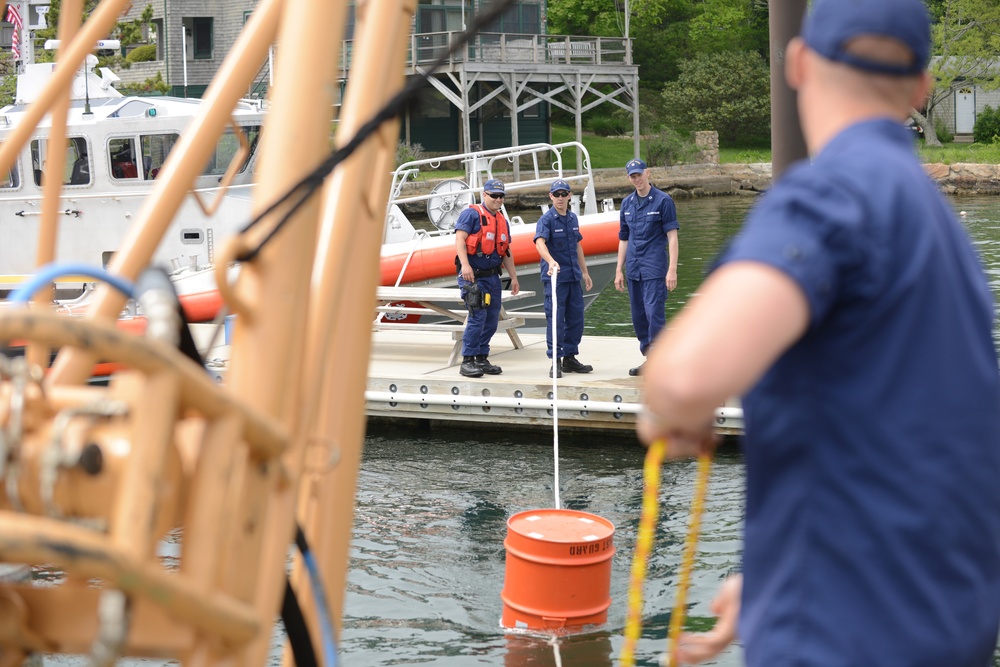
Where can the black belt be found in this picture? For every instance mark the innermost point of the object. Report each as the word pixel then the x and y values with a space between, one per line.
pixel 486 273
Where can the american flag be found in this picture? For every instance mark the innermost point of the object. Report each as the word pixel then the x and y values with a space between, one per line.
pixel 14 18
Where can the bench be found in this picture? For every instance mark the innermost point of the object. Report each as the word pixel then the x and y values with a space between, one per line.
pixel 434 301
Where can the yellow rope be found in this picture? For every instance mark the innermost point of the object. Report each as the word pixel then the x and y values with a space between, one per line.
pixel 644 544
pixel 690 547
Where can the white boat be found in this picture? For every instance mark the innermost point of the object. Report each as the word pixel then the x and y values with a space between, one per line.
pixel 116 146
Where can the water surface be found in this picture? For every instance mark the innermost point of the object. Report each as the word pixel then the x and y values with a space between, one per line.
pixel 428 555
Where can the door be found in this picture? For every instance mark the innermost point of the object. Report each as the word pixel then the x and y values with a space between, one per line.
pixel 965 110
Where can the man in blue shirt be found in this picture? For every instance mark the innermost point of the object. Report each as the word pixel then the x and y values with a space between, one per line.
pixel 557 237
pixel 854 315
pixel 482 249
pixel 647 251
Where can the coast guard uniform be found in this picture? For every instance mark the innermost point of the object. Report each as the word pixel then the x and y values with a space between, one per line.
pixel 481 323
pixel 873 246
pixel 562 235
pixel 644 223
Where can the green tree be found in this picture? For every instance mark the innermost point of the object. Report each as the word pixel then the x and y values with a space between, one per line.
pixel 127 32
pixel 727 92
pixel 730 25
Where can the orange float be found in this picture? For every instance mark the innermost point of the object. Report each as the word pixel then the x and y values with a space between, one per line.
pixel 558 572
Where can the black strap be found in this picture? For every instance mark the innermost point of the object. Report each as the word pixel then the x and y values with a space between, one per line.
pixel 295 627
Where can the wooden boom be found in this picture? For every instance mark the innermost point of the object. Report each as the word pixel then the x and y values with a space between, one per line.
pixel 95 477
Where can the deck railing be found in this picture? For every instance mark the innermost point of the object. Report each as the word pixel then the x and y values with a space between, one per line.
pixel 508 48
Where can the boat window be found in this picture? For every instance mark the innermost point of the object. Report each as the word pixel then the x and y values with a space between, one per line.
pixel 13 177
pixel 123 163
pixel 76 170
pixel 227 147
pixel 132 108
pixel 155 148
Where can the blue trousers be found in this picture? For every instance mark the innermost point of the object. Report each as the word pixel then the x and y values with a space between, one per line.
pixel 569 315
pixel 481 323
pixel 648 299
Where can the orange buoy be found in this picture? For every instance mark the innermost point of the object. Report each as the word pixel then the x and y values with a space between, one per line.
pixel 558 572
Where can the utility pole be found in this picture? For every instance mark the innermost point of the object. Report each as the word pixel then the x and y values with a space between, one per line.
pixel 787 143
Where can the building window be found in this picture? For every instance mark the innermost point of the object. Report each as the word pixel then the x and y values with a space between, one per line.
pixel 201 37
pixel 155 30
pixel 519 18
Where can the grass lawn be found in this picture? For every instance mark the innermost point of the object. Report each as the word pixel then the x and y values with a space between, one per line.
pixel 613 152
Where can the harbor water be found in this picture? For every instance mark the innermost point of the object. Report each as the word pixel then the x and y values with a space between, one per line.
pixel 428 556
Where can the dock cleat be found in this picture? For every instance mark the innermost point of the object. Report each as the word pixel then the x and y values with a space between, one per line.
pixel 571 365
pixel 486 367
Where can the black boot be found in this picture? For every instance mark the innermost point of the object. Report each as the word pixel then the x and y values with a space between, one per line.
pixel 637 370
pixel 486 367
pixel 470 368
pixel 571 365
pixel 558 369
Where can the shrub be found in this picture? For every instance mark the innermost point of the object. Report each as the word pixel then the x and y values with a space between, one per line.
pixel 944 135
pixel 408 152
pixel 987 127
pixel 669 147
pixel 151 86
pixel 727 92
pixel 609 126
pixel 142 54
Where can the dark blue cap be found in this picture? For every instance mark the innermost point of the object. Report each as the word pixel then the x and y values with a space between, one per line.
pixel 493 185
pixel 634 167
pixel 832 24
pixel 560 185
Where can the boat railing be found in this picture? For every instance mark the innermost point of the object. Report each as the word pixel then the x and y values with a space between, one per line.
pixel 546 165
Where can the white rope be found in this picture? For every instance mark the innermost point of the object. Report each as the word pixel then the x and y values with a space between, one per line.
pixel 556 655
pixel 555 388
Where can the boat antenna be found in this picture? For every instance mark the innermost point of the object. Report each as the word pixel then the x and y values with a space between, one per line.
pixel 53 44
pixel 86 90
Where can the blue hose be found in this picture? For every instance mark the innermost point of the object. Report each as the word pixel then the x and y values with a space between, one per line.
pixel 322 607
pixel 50 272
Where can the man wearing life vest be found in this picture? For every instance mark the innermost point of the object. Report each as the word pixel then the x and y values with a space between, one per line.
pixel 482 244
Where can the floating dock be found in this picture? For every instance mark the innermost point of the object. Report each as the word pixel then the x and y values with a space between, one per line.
pixel 409 378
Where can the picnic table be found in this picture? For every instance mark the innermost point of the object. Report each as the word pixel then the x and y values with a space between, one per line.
pixel 439 302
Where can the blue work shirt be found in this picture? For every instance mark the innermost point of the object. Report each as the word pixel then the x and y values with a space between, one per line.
pixel 470 221
pixel 872 444
pixel 562 235
pixel 644 223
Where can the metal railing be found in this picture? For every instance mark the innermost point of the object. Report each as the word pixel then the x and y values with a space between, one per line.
pixel 510 48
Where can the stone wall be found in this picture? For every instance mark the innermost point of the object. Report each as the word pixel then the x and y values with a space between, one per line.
pixel 713 180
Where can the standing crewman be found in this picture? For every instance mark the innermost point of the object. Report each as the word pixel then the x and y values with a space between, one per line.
pixel 647 250
pixel 557 237
pixel 854 316
pixel 482 244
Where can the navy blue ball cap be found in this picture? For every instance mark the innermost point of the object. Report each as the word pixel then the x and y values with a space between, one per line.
pixel 634 167
pixel 831 24
pixel 560 185
pixel 493 185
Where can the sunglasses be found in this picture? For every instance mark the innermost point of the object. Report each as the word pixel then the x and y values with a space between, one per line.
pixel 495 195
pixel 561 193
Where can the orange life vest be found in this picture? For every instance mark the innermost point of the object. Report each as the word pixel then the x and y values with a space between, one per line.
pixel 493 234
